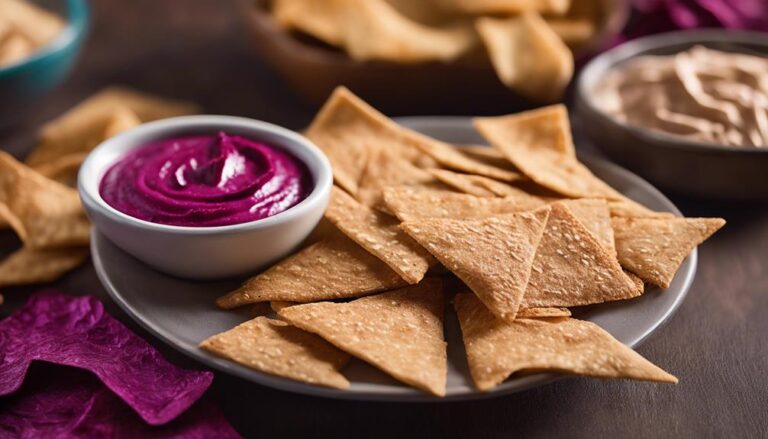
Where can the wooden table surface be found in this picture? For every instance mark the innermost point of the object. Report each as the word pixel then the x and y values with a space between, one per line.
pixel 717 343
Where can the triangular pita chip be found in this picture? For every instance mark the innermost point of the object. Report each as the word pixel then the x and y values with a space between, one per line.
pixel 537 313
pixel 44 213
pixel 277 348
pixel 594 214
pixel 38 25
pixel 539 143
pixel 654 248
pixel 381 235
pixel 496 349
pixel 573 31
pixel 100 116
pixel 527 55
pixel 503 7
pixel 27 266
pixel 493 256
pixel 410 204
pixel 631 209
pixel 400 332
pixel 384 168
pixel 476 185
pixel 333 268
pixel 346 129
pixel 489 156
pixel 373 29
pixel 63 169
pixel 571 268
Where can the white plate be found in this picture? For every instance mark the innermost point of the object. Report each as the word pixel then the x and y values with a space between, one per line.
pixel 182 312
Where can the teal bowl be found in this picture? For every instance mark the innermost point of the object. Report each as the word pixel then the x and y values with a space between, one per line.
pixel 25 82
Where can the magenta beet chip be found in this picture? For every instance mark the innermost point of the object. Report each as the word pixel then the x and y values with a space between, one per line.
pixel 65 402
pixel 76 331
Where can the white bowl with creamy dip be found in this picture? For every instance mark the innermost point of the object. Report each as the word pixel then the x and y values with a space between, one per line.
pixel 684 109
pixel 206 197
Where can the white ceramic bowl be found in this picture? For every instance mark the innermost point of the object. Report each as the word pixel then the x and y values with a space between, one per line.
pixel 206 252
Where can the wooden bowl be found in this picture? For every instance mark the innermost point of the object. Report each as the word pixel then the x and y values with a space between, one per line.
pixel 466 86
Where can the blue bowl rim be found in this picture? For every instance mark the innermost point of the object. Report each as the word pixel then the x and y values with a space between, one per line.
pixel 73 32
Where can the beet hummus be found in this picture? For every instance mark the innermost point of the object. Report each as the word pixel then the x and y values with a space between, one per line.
pixel 206 180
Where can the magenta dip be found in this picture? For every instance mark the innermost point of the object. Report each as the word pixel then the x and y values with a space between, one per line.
pixel 206 180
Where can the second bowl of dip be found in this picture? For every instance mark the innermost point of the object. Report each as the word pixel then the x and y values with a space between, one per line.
pixel 206 197
pixel 687 162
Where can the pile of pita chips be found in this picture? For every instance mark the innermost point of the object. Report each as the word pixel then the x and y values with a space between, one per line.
pixel 25 28
pixel 407 230
pixel 37 198
pixel 528 42
pixel 48 219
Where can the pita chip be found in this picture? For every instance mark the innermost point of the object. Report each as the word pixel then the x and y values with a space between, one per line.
pixel 503 7
pixel 528 55
pixel 573 31
pixel 539 313
pixel 333 268
pixel 374 30
pixel 476 185
pixel 43 213
pixel 654 248
pixel 277 348
pixel 496 349
pixel 383 169
pixel 28 266
pixel 400 332
pixel 539 143
pixel 411 204
pixel 493 256
pixel 595 215
pixel 346 128
pixel 380 234
pixel 571 268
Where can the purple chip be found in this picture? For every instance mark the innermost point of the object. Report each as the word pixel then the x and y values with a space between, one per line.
pixel 76 331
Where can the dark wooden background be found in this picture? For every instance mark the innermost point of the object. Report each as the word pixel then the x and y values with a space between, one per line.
pixel 717 344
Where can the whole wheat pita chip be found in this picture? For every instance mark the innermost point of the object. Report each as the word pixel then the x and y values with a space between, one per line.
pixel 34 23
pixel 595 215
pixel 528 55
pixel 43 213
pixel 539 313
pixel 14 47
pixel 400 332
pixel 374 30
pixel 384 168
pixel 654 248
pixel 346 129
pixel 277 348
pixel 571 268
pixel 333 268
pixel 493 256
pixel 573 31
pixel 379 234
pixel 411 204
pixel 88 123
pixel 481 7
pixel 539 143
pixel 627 208
pixel 28 266
pixel 277 305
pixel 476 185
pixel 63 169
pixel 488 155
pixel 496 349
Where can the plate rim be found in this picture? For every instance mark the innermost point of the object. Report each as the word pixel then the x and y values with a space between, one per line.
pixel 522 383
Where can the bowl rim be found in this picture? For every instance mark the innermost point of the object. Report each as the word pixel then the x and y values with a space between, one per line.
pixel 320 167
pixel 599 66
pixel 75 27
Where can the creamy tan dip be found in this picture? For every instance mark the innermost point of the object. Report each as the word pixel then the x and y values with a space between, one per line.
pixel 702 94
